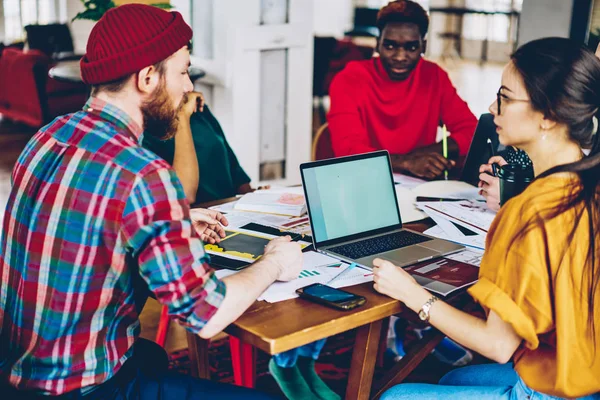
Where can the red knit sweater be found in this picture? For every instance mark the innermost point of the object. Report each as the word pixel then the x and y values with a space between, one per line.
pixel 371 112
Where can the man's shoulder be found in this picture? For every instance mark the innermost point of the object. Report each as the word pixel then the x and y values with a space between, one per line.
pixel 430 68
pixel 105 142
pixel 356 69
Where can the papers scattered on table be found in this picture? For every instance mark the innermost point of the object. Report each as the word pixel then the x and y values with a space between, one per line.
pixel 316 268
pixel 449 189
pixel 474 216
pixel 468 256
pixel 266 201
pixel 444 275
pixel 225 207
pixel 409 188
pixel 407 182
pixel 237 219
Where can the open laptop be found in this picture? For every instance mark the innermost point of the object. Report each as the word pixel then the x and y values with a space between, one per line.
pixel 354 214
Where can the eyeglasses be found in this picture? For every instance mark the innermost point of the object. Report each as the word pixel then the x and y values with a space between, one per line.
pixel 502 97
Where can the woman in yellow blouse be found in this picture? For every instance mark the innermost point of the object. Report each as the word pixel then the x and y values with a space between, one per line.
pixel 539 277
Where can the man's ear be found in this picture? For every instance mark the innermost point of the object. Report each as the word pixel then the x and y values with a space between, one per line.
pixel 424 46
pixel 147 79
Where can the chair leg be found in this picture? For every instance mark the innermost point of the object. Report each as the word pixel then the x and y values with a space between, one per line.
pixel 243 358
pixel 163 327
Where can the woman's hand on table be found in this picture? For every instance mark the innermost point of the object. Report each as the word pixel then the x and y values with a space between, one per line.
pixel 395 282
pixel 490 184
pixel 287 255
pixel 209 224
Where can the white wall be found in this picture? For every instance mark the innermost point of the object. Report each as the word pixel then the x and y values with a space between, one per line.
pixel 332 17
pixel 2 21
pixel 541 18
pixel 80 29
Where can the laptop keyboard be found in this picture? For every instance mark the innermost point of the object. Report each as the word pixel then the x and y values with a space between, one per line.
pixel 379 244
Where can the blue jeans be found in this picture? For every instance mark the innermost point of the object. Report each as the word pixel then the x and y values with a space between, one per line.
pixel 288 359
pixel 145 376
pixel 481 382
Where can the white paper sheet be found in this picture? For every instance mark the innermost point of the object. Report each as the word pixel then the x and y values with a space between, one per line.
pixel 406 204
pixel 407 182
pixel 316 268
pixel 472 215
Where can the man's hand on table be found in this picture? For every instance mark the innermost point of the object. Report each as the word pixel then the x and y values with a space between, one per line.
pixel 427 165
pixel 286 255
pixel 209 224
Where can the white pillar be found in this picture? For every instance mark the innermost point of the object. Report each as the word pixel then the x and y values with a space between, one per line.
pixel 260 70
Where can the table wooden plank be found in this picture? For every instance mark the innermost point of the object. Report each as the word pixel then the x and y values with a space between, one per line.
pixel 282 326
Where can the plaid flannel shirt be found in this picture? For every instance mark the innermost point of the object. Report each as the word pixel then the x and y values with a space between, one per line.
pixel 89 212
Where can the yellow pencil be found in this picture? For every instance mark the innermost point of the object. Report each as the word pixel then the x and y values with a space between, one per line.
pixel 445 147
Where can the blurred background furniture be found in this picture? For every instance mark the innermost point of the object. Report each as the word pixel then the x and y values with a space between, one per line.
pixel 28 95
pixel 54 40
pixel 331 56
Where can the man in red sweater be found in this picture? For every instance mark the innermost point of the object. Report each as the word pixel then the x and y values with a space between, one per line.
pixel 396 101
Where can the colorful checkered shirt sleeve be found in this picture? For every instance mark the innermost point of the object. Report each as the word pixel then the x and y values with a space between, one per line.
pixel 158 231
pixel 90 215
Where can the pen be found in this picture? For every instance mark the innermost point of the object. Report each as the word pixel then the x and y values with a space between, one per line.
pixel 445 148
pixel 489 141
pixel 338 275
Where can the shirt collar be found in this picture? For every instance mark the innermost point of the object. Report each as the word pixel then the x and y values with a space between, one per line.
pixel 384 75
pixel 114 115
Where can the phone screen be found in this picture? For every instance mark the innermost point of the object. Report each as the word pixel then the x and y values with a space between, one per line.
pixel 328 293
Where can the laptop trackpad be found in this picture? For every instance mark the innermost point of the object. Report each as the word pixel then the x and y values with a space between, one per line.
pixel 409 254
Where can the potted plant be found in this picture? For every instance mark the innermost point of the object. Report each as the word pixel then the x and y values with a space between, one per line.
pixel 95 9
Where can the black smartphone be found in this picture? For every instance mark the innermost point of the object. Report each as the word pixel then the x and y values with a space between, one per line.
pixel 332 297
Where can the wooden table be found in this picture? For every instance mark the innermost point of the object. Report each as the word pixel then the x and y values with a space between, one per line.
pixel 278 327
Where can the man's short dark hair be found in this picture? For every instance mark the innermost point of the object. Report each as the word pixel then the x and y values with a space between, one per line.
pixel 403 11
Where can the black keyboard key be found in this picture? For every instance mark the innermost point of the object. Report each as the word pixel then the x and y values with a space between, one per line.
pixel 380 244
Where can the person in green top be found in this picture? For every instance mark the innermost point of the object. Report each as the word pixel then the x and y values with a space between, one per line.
pixel 209 170
pixel 200 154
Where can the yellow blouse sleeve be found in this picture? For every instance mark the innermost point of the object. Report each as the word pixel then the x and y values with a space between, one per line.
pixel 514 280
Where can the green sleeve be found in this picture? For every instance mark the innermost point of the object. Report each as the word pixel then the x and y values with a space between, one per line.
pixel 165 149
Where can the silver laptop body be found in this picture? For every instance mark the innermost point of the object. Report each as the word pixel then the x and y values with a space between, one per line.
pixel 354 211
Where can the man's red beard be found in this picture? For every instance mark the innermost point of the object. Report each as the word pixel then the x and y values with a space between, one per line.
pixel 160 116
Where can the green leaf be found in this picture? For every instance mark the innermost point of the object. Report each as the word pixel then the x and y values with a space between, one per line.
pixel 164 6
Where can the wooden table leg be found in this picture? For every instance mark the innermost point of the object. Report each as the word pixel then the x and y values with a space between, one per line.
pixel 408 363
pixel 198 349
pixel 364 357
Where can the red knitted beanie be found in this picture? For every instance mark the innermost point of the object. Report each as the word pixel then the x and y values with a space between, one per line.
pixel 129 38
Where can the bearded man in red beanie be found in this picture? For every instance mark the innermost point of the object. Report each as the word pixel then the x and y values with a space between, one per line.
pixel 94 220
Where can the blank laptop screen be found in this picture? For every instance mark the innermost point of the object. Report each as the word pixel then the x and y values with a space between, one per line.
pixel 351 197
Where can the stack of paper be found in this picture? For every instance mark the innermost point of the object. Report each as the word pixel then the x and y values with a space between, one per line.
pixel 274 203
pixel 409 188
pixel 464 222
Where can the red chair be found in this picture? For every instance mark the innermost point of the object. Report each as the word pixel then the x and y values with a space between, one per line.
pixel 321 147
pixel 243 355
pixel 29 95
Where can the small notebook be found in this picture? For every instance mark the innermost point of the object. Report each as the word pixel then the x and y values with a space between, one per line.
pixel 444 275
pixel 273 203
